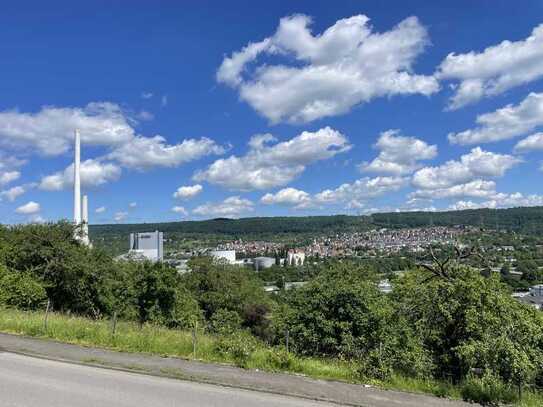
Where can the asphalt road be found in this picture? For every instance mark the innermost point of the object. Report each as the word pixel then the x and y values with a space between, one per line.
pixel 33 382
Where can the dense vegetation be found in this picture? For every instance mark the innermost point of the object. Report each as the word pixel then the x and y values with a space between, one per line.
pixel 452 325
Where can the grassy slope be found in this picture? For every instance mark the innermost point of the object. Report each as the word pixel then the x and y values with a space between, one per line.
pixel 161 341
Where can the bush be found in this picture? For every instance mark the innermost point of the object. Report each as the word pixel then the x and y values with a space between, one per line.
pixel 487 390
pixel 224 322
pixel 21 290
pixel 375 366
pixel 279 359
pixel 237 347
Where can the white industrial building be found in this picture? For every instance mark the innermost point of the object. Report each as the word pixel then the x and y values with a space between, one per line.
pixel 295 258
pixel 224 255
pixel 147 246
pixel 261 263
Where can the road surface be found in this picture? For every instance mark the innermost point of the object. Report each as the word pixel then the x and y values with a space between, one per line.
pixel 33 382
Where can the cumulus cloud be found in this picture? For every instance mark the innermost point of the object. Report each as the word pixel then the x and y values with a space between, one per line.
pixel 477 188
pixel 29 208
pixel 188 191
pixel 180 210
pixel 290 197
pixel 501 200
pixel 50 130
pixel 477 164
pixel 120 216
pixel 329 73
pixel 132 205
pixel 531 143
pixel 13 193
pixel 146 152
pixel 8 176
pixel 505 123
pixel 232 206
pixel 268 165
pixel 93 173
pixel 362 189
pixel 494 70
pixel 399 154
pixel 101 209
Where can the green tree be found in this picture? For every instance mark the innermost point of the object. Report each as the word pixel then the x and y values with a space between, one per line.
pixel 20 290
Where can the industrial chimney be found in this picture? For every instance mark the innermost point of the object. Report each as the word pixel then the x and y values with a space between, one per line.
pixel 81 212
pixel 85 221
pixel 77 179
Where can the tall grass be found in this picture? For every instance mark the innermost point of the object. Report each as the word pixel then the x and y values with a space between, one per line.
pixel 244 351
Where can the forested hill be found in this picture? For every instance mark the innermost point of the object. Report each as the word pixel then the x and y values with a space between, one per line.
pixel 244 226
pixel 522 220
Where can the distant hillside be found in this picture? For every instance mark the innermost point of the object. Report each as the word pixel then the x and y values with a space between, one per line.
pixel 114 237
pixel 522 220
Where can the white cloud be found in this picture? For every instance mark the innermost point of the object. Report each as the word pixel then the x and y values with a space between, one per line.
pixel 146 95
pixel 268 166
pixel 36 218
pixel 474 165
pixel 188 191
pixel 101 209
pixel 120 216
pixel 29 208
pixel 495 70
pixel 516 199
pixel 361 190
pixel 132 205
pixel 290 197
pixel 145 115
pixel 501 200
pixel 232 206
pixel 12 193
pixel 505 123
pixel 147 152
pixel 93 173
pixel 531 143
pixel 398 154
pixel 463 205
pixel 50 130
pixel 477 188
pixel 328 74
pixel 180 210
pixel 8 176
pixel 164 101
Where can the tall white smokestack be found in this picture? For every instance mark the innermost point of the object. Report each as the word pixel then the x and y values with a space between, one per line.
pixel 77 180
pixel 85 221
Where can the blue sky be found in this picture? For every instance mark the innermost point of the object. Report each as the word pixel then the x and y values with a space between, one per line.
pixel 192 110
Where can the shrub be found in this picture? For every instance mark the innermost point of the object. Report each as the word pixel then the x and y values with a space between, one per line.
pixel 21 290
pixel 279 359
pixel 487 390
pixel 237 347
pixel 224 322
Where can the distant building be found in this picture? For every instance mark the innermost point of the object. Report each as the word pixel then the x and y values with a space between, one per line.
pixel 384 286
pixel 295 258
pixel 294 284
pixel 261 263
pixel 225 255
pixel 534 297
pixel 147 246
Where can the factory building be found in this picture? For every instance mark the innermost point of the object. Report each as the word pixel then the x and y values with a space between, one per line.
pixel 295 258
pixel 147 245
pixel 261 263
pixel 224 255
